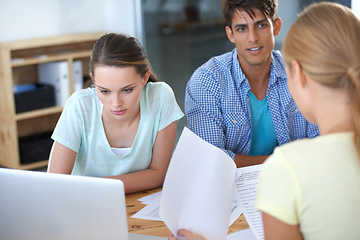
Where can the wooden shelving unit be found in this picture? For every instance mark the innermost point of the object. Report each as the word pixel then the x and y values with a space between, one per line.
pixel 18 65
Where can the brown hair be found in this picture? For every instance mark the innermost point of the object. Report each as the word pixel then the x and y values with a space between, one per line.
pixel 325 41
pixel 119 50
pixel 267 7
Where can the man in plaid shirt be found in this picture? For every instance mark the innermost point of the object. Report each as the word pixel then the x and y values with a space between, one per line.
pixel 240 101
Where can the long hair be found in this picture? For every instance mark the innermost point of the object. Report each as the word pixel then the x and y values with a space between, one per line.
pixel 120 50
pixel 325 41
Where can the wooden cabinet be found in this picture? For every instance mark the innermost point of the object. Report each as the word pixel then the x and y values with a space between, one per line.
pixel 18 65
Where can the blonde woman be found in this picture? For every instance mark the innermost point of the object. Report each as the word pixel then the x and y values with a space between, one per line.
pixel 310 189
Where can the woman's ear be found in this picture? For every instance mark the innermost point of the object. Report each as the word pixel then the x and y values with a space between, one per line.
pixel 298 73
pixel 146 77
pixel 91 81
pixel 91 76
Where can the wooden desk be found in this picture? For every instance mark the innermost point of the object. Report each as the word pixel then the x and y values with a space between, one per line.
pixel 157 228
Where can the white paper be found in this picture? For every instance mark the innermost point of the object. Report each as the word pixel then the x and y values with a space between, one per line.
pixel 151 211
pixel 236 209
pixel 245 234
pixel 247 185
pixel 198 188
pixel 149 199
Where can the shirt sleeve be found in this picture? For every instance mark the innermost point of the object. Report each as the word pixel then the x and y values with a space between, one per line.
pixel 203 109
pixel 279 192
pixel 68 130
pixel 312 130
pixel 170 111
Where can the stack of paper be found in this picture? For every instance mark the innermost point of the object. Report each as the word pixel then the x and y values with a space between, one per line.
pixel 152 202
pixel 151 210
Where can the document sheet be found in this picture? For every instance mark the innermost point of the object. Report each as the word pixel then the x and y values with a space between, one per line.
pixel 247 184
pixel 245 234
pixel 151 210
pixel 152 202
pixel 198 189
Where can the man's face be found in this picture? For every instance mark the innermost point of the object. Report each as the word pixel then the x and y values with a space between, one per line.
pixel 253 37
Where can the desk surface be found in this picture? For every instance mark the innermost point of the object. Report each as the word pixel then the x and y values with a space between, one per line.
pixel 157 228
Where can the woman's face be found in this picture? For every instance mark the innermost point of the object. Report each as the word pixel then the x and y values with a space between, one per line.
pixel 298 91
pixel 119 89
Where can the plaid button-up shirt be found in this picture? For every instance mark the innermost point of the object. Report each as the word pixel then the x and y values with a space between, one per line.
pixel 217 105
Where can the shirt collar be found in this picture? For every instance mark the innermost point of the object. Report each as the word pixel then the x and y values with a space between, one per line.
pixel 277 68
pixel 238 73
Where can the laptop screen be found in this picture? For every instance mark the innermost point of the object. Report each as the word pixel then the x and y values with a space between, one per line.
pixel 38 205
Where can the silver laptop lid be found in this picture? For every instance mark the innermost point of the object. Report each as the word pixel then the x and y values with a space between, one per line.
pixel 38 205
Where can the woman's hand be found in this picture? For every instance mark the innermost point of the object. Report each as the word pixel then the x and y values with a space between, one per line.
pixel 189 235
pixel 171 236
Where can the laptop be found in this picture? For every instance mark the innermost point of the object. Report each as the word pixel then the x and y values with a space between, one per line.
pixel 38 205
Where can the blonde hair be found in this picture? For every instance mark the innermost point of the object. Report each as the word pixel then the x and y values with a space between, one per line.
pixel 325 41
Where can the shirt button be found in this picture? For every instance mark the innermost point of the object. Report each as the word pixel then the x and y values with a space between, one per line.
pixel 234 121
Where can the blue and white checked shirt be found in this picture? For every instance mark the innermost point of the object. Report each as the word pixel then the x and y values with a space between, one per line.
pixel 217 105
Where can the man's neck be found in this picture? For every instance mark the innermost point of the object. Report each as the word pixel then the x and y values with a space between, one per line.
pixel 258 77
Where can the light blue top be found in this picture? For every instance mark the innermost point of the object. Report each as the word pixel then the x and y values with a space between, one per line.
pixel 81 129
pixel 263 132
pixel 217 105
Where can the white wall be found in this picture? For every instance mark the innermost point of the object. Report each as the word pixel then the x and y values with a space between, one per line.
pixel 287 11
pixel 355 6
pixel 25 19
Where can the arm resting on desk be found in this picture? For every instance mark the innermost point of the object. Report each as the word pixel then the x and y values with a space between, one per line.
pixel 62 160
pixel 154 176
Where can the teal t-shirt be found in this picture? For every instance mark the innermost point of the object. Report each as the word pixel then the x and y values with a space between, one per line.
pixel 263 140
pixel 80 128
